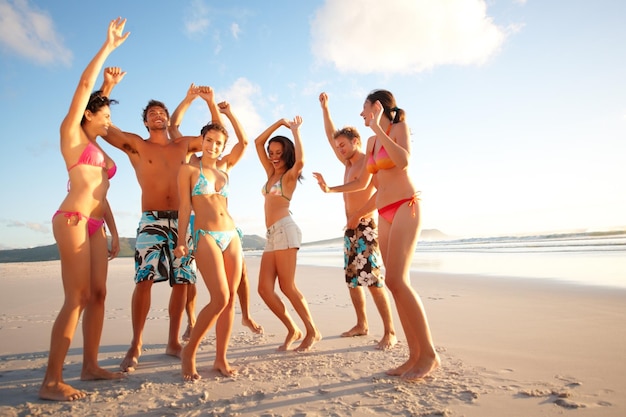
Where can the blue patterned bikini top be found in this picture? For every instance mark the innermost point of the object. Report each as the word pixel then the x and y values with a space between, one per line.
pixel 204 187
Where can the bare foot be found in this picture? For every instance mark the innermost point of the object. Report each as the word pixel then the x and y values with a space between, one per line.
pixel 60 391
pixel 309 341
pixel 355 331
pixel 188 364
pixel 130 362
pixel 423 367
pixel 187 334
pixel 402 368
pixel 291 337
pixel 388 341
pixel 174 350
pixel 252 325
pixel 223 367
pixel 97 374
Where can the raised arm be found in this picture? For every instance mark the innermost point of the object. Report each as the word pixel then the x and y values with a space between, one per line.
pixel 399 151
pixel 259 144
pixel 329 126
pixel 298 166
pixel 71 123
pixel 208 95
pixel 236 153
pixel 179 112
pixel 112 77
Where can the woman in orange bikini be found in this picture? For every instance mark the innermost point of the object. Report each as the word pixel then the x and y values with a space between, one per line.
pixel 397 200
pixel 78 228
pixel 283 165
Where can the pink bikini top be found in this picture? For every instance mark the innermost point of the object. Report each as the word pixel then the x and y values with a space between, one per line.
pixel 93 156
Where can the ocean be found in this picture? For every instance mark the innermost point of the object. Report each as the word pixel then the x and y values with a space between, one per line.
pixel 586 258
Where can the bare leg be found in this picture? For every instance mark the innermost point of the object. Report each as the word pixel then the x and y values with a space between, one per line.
pixel 176 309
pixel 93 316
pixel 381 299
pixel 217 285
pixel 286 271
pixel 75 260
pixel 243 292
pixel 231 267
pixel 398 241
pixel 357 295
pixel 190 309
pixel 139 310
pixel 267 280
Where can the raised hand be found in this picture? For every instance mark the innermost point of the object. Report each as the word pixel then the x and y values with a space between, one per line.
pixel 113 75
pixel 115 37
pixel 324 100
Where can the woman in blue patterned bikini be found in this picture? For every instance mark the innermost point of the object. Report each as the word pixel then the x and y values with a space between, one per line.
pixel 78 227
pixel 217 245
pixel 283 164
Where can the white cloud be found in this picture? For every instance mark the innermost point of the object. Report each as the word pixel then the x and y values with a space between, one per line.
pixel 37 227
pixel 30 33
pixel 403 36
pixel 242 96
pixel 197 18
pixel 235 30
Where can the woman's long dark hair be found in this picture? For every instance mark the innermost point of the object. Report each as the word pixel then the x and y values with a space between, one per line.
pixel 289 151
pixel 390 109
pixel 96 102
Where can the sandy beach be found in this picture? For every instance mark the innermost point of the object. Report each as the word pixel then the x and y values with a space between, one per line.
pixel 509 347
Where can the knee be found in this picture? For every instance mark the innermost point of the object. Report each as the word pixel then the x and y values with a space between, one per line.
pixel 395 286
pixel 97 296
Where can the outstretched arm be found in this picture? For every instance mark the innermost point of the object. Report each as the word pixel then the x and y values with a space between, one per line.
pixel 236 153
pixel 358 184
pixel 260 141
pixel 71 123
pixel 329 127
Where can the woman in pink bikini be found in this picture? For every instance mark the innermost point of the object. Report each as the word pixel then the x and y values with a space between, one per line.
pixel 78 228
pixel 398 204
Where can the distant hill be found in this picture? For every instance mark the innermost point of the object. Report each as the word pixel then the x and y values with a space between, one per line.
pixel 127 250
pixel 127 247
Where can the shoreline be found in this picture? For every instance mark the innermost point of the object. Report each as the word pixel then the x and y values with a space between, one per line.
pixel 514 346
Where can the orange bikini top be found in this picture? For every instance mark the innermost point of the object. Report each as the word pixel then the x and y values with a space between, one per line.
pixel 381 160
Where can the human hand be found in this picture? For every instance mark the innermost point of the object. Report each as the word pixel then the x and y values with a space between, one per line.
pixel 295 124
pixel 115 247
pixel 321 182
pixel 224 107
pixel 206 93
pixel 353 221
pixel 324 100
pixel 114 35
pixel 113 75
pixel 180 251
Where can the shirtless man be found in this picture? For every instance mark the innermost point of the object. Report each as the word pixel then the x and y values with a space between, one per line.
pixel 156 161
pixel 360 232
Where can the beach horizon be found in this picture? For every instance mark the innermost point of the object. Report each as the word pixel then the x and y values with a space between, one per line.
pixel 515 347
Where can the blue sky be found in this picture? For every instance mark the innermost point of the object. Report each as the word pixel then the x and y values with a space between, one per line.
pixel 517 108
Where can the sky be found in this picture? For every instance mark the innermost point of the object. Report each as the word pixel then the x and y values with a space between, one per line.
pixel 517 108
